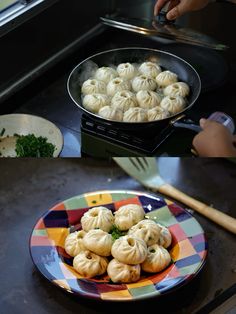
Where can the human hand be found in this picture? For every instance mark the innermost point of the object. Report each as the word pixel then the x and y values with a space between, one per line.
pixel 214 141
pixel 179 7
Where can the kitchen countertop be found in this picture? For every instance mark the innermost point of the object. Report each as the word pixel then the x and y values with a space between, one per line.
pixel 29 187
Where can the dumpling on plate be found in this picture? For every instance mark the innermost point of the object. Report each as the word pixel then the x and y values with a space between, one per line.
pixel 166 78
pixel 98 241
pixel 150 69
pixel 126 70
pixel 95 102
pixel 173 104
pixel 120 272
pixel 124 100
pixel 129 250
pixel 158 258
pixel 135 115
pixel 165 238
pixel 148 99
pixel 74 243
pixel 118 84
pixel 146 230
pixel 105 74
pixel 157 113
pixel 143 82
pixel 177 89
pixel 128 215
pixel 89 264
pixel 97 217
pixel 93 86
pixel 110 113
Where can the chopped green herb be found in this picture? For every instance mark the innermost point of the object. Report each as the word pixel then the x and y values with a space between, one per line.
pixel 94 202
pixel 2 132
pixel 116 233
pixel 152 251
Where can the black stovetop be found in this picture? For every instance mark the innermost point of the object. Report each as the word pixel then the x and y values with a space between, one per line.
pixel 48 97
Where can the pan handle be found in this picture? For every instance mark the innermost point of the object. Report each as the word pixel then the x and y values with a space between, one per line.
pixel 186 123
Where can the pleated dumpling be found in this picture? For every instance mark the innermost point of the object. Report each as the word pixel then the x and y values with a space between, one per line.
pixel 128 215
pixel 143 82
pixel 97 217
pixel 106 74
pixel 150 69
pixel 120 272
pixel 95 102
pixel 157 113
pixel 74 243
pixel 177 89
pixel 147 230
pixel 158 258
pixel 93 86
pixel 89 264
pixel 148 99
pixel 165 238
pixel 129 250
pixel 124 100
pixel 126 70
pixel 110 113
pixel 173 104
pixel 99 242
pixel 166 78
pixel 117 85
pixel 135 115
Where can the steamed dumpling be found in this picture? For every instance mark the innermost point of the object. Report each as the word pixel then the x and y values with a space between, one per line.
pixel 89 264
pixel 165 238
pixel 128 215
pixel 173 104
pixel 99 242
pixel 110 113
pixel 177 89
pixel 117 85
pixel 124 100
pixel 157 113
pixel 150 69
pixel 148 99
pixel 147 230
pixel 158 258
pixel 135 115
pixel 120 272
pixel 129 250
pixel 93 86
pixel 143 82
pixel 105 74
pixel 97 217
pixel 166 78
pixel 74 243
pixel 126 70
pixel 95 102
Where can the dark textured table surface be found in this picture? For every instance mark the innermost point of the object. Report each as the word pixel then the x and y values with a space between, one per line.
pixel 30 187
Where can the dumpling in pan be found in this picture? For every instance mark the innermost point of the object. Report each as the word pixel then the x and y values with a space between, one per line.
pixel 120 272
pixel 148 99
pixel 173 104
pixel 158 258
pixel 135 115
pixel 117 85
pixel 166 78
pixel 150 69
pixel 89 264
pixel 157 113
pixel 106 74
pixel 124 100
pixel 143 82
pixel 74 243
pixel 147 230
pixel 110 113
pixel 165 238
pixel 93 86
pixel 99 242
pixel 95 102
pixel 129 250
pixel 128 215
pixel 177 89
pixel 97 217
pixel 126 70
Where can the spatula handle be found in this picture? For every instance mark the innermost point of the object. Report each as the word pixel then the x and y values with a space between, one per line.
pixel 213 214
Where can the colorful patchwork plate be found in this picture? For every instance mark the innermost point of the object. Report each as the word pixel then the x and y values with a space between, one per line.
pixel 188 249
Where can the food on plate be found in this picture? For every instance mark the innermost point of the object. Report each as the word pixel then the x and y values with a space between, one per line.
pixel 123 273
pixel 124 100
pixel 148 99
pixel 98 242
pixel 126 70
pixel 157 113
pixel 74 243
pixel 150 69
pixel 110 113
pixel 173 104
pixel 105 74
pixel 146 230
pixel 143 82
pixel 165 238
pixel 128 215
pixel 166 78
pixel 95 102
pixel 177 89
pixel 117 85
pixel 158 258
pixel 135 115
pixel 93 86
pixel 97 217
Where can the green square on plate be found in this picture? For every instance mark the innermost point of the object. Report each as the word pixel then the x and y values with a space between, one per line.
pixel 163 215
pixel 189 270
pixel 141 291
pixel 121 196
pixel 75 203
pixel 191 227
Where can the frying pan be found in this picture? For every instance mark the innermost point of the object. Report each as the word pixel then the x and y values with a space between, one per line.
pixel 166 60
